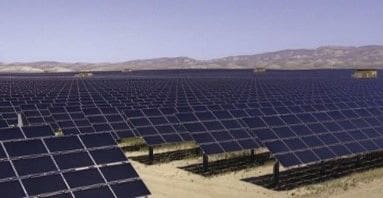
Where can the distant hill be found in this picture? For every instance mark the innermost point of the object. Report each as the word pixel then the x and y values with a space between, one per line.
pixel 320 58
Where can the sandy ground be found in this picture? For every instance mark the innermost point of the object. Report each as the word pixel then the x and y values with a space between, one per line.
pixel 167 180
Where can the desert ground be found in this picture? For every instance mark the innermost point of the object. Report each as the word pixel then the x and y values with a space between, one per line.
pixel 168 180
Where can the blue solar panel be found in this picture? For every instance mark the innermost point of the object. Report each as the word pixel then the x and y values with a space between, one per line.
pixel 83 178
pixel 154 140
pixel 11 133
pixel 273 121
pixel 73 160
pixel 283 132
pixel 108 155
pixel 186 117
pixel 63 143
pixel 37 131
pixel 6 170
pixel 230 146
pixel 36 165
pixel 44 184
pixel 11 189
pixel 130 189
pixel 254 122
pixel 97 140
pixel 102 191
pixel 172 138
pixel 118 172
pixel 25 147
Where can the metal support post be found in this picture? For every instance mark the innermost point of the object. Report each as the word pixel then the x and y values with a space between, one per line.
pixel 276 173
pixel 205 164
pixel 151 155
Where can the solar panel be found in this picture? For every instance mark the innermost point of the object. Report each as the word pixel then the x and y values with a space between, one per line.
pixel 91 111
pixel 194 127
pixel 255 122
pixel 240 133
pixel 152 112
pixel 6 170
pixel 63 143
pixel 186 117
pixel 222 114
pixel 3 124
pixel 230 146
pixel 137 122
pixel 108 155
pixel 154 140
pixel 222 135
pixel 2 153
pixel 85 177
pixel 25 147
pixel 102 191
pixel 73 160
pixel 133 113
pixel 44 184
pixel 172 138
pixel 118 172
pixel 130 189
pixel 35 165
pixel 11 134
pixel 11 189
pixel 97 140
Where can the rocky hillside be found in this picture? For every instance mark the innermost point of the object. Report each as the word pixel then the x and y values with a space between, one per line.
pixel 322 57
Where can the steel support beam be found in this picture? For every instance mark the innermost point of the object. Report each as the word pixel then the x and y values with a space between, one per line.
pixel 252 155
pixel 276 173
pixel 151 155
pixel 205 162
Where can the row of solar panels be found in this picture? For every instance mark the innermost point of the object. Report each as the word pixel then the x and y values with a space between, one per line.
pixel 79 165
pixel 183 92
pixel 216 125
pixel 296 142
pixel 251 100
pixel 135 115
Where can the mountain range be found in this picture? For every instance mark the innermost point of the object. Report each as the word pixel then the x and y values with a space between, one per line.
pixel 327 57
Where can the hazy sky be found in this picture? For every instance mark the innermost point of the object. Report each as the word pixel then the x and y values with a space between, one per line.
pixel 118 30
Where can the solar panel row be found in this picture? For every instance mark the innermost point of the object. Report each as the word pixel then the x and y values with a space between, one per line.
pixel 67 166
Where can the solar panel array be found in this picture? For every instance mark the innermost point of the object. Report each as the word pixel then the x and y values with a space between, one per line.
pixel 302 117
pixel 69 166
pixel 35 162
pixel 325 120
pixel 161 111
